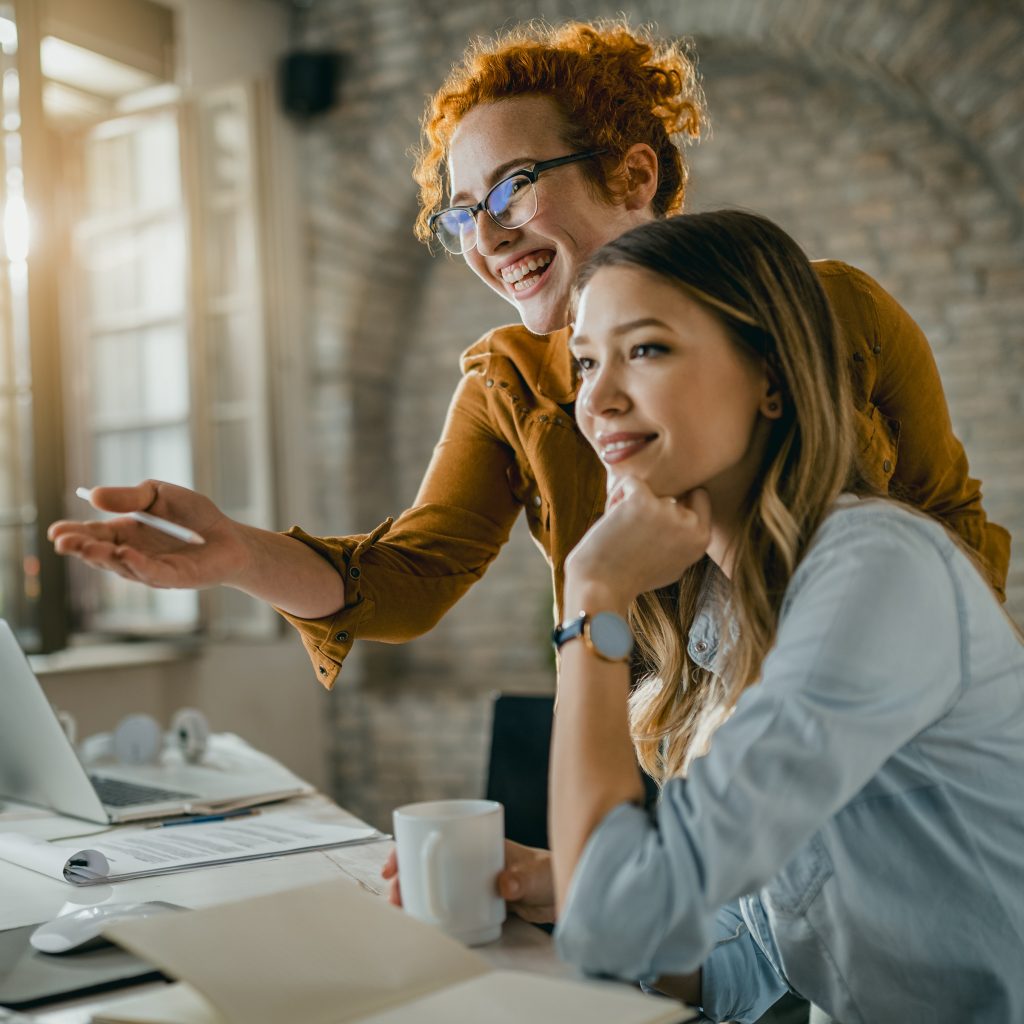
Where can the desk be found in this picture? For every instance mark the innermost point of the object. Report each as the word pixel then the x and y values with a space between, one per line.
pixel 29 897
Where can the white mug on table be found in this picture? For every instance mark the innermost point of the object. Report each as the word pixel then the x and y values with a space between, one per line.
pixel 449 855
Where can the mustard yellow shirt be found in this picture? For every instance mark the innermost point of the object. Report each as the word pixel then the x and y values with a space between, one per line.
pixel 510 445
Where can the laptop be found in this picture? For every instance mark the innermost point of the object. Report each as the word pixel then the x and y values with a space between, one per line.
pixel 39 766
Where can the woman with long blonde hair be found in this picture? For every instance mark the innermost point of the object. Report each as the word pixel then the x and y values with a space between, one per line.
pixel 833 698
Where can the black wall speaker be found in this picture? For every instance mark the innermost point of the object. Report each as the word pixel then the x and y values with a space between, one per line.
pixel 309 81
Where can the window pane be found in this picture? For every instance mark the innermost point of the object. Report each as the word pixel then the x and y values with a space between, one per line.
pixel 131 607
pixel 115 377
pixel 119 459
pixel 128 456
pixel 230 252
pixel 111 268
pixel 232 453
pixel 161 257
pixel 133 165
pixel 168 455
pixel 157 165
pixel 109 174
pixel 225 144
pixel 12 476
pixel 231 340
pixel 19 557
pixel 165 372
pixel 19 582
pixel 132 250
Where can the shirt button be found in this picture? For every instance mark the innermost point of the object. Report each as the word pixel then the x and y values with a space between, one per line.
pixel 700 646
pixel 542 419
pixel 323 671
pixel 354 573
pixel 490 383
pixel 341 637
pixel 536 501
pixel 877 350
pixel 887 466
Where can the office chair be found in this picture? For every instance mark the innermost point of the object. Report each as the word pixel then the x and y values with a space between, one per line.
pixel 517 775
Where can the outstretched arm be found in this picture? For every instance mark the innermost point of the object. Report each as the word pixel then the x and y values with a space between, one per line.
pixel 267 565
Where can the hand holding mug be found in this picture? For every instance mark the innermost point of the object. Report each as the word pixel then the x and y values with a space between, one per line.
pixel 449 854
pixel 525 883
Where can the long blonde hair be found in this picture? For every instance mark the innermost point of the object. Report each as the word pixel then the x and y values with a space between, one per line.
pixel 757 281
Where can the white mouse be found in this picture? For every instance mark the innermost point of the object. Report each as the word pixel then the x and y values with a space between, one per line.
pixel 80 930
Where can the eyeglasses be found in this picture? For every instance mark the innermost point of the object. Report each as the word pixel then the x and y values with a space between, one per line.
pixel 510 204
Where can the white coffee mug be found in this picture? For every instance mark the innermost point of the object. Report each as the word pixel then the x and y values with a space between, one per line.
pixel 449 855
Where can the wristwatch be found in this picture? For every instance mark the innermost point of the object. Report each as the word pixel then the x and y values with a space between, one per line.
pixel 606 634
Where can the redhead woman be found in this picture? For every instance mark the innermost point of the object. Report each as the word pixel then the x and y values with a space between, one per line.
pixel 542 145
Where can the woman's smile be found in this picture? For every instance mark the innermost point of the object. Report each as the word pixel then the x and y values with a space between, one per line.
pixel 524 273
pixel 616 448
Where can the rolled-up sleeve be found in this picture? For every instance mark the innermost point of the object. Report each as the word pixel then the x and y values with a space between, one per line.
pixel 401 578
pixel 866 656
pixel 642 944
pixel 738 982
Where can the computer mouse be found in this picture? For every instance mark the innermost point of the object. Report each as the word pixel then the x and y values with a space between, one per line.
pixel 80 930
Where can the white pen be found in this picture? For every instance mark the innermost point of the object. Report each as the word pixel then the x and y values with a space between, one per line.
pixel 171 529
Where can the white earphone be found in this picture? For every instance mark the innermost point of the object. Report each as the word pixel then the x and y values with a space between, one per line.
pixel 139 739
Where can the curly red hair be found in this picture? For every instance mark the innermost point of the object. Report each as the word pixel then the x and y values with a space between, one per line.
pixel 616 86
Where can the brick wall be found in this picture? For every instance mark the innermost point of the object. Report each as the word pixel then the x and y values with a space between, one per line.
pixel 891 136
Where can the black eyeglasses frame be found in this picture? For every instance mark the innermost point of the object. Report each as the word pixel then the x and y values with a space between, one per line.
pixel 532 173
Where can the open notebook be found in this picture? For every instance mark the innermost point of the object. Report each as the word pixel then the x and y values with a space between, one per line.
pixel 332 953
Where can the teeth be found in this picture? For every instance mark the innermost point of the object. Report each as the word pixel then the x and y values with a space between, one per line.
pixel 617 446
pixel 514 274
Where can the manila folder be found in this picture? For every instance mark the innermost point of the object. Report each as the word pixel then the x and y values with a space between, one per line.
pixel 332 953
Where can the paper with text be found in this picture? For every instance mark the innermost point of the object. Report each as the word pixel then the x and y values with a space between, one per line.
pixel 136 853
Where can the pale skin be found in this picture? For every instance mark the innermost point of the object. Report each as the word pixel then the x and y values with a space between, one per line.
pixel 572 221
pixel 681 418
pixel 491 141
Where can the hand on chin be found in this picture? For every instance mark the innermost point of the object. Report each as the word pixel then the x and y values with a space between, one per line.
pixel 641 543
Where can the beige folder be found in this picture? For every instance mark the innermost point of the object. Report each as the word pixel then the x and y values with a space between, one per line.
pixel 332 953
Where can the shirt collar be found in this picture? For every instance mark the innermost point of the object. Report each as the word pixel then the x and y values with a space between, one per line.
pixel 556 379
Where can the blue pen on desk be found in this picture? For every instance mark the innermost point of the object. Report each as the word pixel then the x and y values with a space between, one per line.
pixel 202 819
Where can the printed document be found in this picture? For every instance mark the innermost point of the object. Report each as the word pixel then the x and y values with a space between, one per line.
pixel 137 852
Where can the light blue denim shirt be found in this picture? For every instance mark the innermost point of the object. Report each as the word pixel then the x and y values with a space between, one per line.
pixel 856 831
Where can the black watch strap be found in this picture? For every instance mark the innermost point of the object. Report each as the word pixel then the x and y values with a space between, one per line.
pixel 561 635
pixel 606 634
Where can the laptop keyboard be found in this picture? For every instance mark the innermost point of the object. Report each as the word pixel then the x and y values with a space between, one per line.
pixel 118 793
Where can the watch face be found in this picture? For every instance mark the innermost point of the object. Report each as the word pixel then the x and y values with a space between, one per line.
pixel 611 635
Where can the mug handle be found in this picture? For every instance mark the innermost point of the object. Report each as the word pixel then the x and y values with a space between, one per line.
pixel 432 875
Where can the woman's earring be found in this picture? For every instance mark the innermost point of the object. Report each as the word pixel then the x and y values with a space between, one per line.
pixel 773 406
